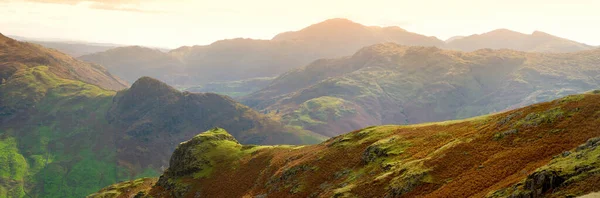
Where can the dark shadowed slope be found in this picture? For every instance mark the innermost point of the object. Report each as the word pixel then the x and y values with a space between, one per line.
pixel 543 150
pixel 507 39
pixel 157 117
pixel 392 84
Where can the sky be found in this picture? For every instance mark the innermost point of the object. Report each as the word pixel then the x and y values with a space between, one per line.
pixel 174 23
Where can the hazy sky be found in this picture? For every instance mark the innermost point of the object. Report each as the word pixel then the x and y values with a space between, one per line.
pixel 173 23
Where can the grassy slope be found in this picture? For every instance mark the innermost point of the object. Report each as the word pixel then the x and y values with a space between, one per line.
pixel 468 158
pixel 56 139
pixel 16 55
pixel 53 152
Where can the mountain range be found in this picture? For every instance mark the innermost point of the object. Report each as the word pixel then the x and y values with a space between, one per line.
pixel 69 127
pixel 240 59
pixel 393 84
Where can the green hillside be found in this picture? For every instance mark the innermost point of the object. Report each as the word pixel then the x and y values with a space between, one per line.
pixel 392 84
pixel 66 138
pixel 65 133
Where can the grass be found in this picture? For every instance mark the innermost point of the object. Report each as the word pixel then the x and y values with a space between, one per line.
pixel 446 159
pixel 319 111
pixel 56 154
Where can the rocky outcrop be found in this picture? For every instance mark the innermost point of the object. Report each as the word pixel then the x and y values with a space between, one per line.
pixel 539 183
pixel 568 168
pixel 197 158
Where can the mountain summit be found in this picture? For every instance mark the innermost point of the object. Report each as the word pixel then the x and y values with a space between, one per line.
pixel 508 39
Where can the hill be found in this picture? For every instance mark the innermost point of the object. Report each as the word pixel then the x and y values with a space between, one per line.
pixel 508 39
pixel 15 55
pixel 63 137
pixel 543 150
pixel 391 84
pixel 239 59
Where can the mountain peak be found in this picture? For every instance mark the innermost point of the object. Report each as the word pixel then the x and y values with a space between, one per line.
pixel 337 21
pixel 503 31
pixel 149 88
pixel 146 82
pixel 327 28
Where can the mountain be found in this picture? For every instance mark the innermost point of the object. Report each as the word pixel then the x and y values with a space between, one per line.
pixel 240 59
pixel 15 55
pixel 392 84
pixel 133 62
pixel 63 136
pixel 338 37
pixel 508 39
pixel 543 150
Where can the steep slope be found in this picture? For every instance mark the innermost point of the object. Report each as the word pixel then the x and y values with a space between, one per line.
pixel 61 137
pixel 390 84
pixel 131 63
pixel 477 157
pixel 507 39
pixel 239 59
pixel 15 55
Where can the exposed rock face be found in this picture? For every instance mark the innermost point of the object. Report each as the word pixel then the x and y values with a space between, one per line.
pixel 539 183
pixel 555 179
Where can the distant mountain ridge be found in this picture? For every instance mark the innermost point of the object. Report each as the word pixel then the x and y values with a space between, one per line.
pixel 508 39
pixel 240 59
